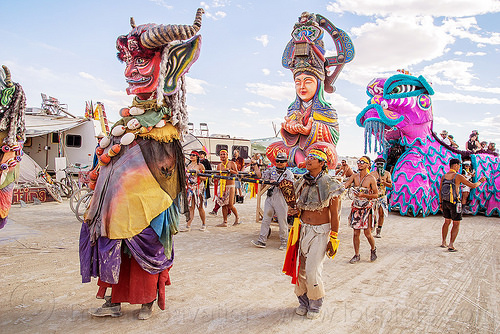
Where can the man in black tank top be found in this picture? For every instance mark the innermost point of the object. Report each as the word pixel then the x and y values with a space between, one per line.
pixel 450 203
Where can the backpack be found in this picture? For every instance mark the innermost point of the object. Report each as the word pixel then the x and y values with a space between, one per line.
pixel 449 190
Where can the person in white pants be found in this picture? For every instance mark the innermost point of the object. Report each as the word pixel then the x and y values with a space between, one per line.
pixel 275 204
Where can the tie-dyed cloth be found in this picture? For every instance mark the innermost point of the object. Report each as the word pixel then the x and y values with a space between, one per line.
pixel 135 207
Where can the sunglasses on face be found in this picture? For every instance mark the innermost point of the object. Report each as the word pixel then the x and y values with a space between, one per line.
pixel 280 161
pixel 361 162
pixel 192 155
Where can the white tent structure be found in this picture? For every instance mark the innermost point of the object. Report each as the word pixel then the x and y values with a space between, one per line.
pixel 28 170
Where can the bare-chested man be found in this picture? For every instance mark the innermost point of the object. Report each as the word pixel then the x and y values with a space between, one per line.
pixel 226 188
pixel 384 181
pixel 361 217
pixel 318 203
pixel 345 171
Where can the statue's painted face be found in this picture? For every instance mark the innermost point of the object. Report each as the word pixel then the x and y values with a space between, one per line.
pixel 306 86
pixel 142 69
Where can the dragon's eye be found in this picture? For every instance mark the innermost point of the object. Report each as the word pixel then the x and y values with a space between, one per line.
pixel 384 104
pixel 396 90
pixel 403 89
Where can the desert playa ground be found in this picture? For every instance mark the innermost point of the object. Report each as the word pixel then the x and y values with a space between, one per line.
pixel 222 284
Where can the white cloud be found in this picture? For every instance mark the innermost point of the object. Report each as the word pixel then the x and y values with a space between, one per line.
pixel 467 28
pixel 488 128
pixel 396 42
pixel 468 54
pixel 162 3
pixel 260 105
pixel 391 43
pixel 283 92
pixel 481 89
pixel 249 111
pixel 266 71
pixel 457 8
pixel 239 125
pixel 216 16
pixel 264 39
pixel 462 98
pixel 195 86
pixel 449 72
pixel 437 120
pixel 344 107
pixel 220 3
pixel 86 75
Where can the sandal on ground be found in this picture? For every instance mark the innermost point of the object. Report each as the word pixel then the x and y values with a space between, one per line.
pixel 236 223
pixel 451 249
pixel 221 225
pixel 443 246
pixel 355 259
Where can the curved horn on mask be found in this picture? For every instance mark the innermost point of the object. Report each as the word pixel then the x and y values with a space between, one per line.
pixel 8 80
pixel 163 34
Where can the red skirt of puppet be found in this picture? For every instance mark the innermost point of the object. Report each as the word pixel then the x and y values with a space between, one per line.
pixel 135 285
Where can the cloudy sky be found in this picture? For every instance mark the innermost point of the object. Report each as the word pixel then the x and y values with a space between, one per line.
pixel 66 49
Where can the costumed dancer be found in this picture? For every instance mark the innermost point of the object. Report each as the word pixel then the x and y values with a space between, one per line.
pixel 12 105
pixel 311 122
pixel 381 207
pixel 195 186
pixel 225 196
pixel 314 234
pixel 126 238
pixel 276 204
pixel 362 207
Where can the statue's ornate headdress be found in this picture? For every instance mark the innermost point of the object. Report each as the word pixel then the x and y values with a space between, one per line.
pixel 305 52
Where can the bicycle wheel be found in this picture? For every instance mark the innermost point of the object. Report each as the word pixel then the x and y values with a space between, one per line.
pixel 69 186
pixel 77 195
pixel 65 190
pixel 83 205
pixel 54 191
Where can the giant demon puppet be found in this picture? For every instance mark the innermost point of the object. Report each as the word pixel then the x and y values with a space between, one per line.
pixel 311 122
pixel 126 239
pixel 12 105
pixel 399 116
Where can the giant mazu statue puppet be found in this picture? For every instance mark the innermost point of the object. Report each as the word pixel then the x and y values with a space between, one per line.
pixel 12 106
pixel 400 120
pixel 126 237
pixel 311 122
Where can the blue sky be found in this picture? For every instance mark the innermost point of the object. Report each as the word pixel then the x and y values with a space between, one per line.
pixel 66 49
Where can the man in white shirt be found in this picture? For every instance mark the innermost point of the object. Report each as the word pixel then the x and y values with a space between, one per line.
pixel 444 136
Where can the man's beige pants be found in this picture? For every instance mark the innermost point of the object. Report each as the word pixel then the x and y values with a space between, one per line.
pixel 312 254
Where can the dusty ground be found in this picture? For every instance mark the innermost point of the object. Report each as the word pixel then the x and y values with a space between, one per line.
pixel 222 284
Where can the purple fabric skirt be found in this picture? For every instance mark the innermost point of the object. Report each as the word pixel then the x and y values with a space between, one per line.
pixel 103 258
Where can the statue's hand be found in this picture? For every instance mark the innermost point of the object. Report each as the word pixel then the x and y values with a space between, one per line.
pixel 290 126
pixel 305 130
